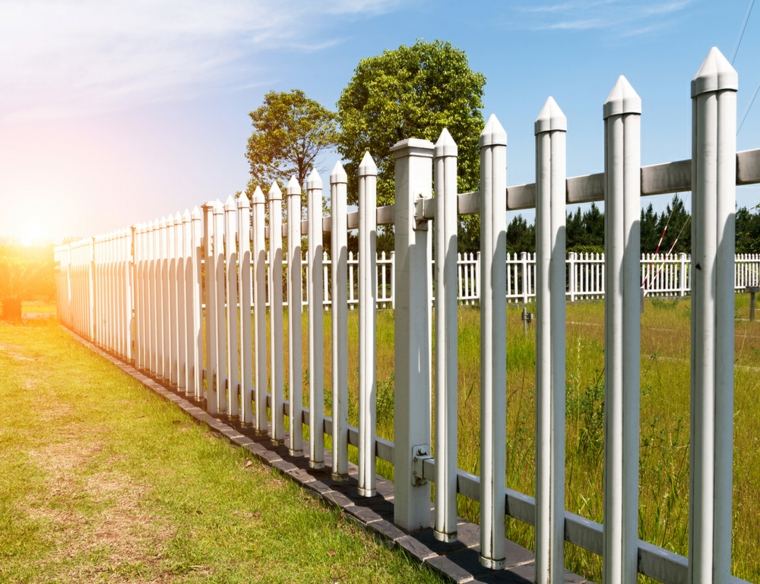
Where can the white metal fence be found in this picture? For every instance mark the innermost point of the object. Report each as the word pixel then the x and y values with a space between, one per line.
pixel 140 294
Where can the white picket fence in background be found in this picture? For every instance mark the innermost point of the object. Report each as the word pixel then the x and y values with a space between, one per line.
pixel 140 294
pixel 661 275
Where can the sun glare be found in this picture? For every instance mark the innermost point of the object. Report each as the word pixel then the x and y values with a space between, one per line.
pixel 31 234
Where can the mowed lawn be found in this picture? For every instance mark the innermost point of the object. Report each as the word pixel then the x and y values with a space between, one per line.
pixel 665 398
pixel 101 480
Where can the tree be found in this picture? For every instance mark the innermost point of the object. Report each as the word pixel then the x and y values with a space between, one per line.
pixel 26 273
pixel 413 91
pixel 289 131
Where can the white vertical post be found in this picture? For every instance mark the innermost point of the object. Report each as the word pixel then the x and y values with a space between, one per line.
pixel 137 238
pixel 233 315
pixel 339 307
pixel 294 316
pixel 367 308
pixel 165 302
pixel 155 296
pixel 275 311
pixel 197 290
pixel 571 262
pixel 713 179
pixel 171 286
pixel 493 317
pixel 212 361
pixel 413 180
pixel 259 309
pixel 178 312
pixel 316 336
pixel 129 292
pixel 220 319
pixel 550 130
pixel 682 275
pixel 622 125
pixel 187 296
pixel 446 213
pixel 244 293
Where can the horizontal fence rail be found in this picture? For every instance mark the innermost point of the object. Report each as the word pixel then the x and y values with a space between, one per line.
pixel 187 299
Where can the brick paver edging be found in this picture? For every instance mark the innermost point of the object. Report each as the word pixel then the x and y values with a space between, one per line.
pixel 457 561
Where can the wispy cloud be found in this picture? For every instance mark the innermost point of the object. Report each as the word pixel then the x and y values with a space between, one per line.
pixel 75 56
pixel 623 18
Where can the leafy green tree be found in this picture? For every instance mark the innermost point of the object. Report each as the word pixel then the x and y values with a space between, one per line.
pixel 290 130
pixel 413 91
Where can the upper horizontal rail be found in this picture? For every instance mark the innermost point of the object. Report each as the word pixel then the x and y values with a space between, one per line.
pixel 656 179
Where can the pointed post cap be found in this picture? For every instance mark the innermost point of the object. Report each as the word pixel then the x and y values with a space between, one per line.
pixel 163 222
pixel 551 118
pixel 293 187
pixel 186 216
pixel 367 166
pixel 623 99
pixel 338 174
pixel 313 181
pixel 218 207
pixel 195 213
pixel 230 204
pixel 177 218
pixel 494 133
pixel 715 74
pixel 258 197
pixel 242 201
pixel 275 194
pixel 445 146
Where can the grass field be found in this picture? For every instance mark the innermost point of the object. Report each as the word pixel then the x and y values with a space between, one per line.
pixel 664 452
pixel 103 481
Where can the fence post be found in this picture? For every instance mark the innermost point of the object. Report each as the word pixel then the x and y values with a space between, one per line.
pixel 259 310
pixel 91 327
pixel 622 121
pixel 294 317
pixel 232 314
pixel 316 336
pixel 446 220
pixel 413 181
pixel 682 275
pixel 571 275
pixel 550 130
pixel 244 293
pixel 367 308
pixel 187 280
pixel 196 220
pixel 713 92
pixel 275 310
pixel 221 321
pixel 524 276
pixel 339 306
pixel 178 309
pixel 211 348
pixel 493 311
pixel 130 285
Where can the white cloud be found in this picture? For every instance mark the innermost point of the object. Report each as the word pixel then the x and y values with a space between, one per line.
pixel 623 18
pixel 67 57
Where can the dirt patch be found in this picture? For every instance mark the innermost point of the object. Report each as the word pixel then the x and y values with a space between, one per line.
pixel 15 352
pixel 97 521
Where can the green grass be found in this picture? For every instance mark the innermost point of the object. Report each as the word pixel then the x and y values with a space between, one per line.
pixel 664 452
pixel 101 480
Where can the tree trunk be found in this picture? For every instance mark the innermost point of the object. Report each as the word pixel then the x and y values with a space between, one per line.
pixel 11 309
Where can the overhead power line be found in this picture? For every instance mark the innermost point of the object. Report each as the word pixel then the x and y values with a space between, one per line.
pixel 744 29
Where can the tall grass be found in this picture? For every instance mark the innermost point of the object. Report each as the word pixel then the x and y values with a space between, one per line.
pixel 664 449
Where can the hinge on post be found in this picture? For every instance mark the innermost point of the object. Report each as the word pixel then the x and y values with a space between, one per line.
pixel 420 454
pixel 420 221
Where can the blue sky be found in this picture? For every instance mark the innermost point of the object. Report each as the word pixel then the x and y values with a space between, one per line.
pixel 117 112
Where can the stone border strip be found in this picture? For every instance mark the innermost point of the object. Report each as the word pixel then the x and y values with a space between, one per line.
pixel 456 562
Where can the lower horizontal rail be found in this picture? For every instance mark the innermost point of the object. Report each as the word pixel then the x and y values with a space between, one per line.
pixel 653 561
